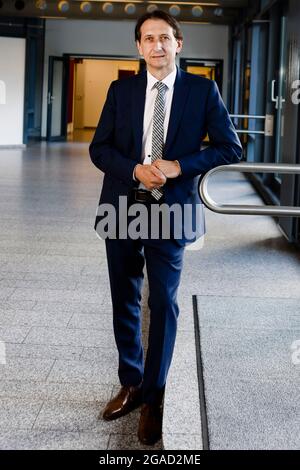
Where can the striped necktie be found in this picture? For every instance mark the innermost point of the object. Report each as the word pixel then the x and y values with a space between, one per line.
pixel 158 129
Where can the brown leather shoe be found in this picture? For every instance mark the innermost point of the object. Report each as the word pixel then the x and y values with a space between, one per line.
pixel 127 399
pixel 150 425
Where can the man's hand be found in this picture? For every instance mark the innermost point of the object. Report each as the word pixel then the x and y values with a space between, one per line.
pixel 150 176
pixel 171 169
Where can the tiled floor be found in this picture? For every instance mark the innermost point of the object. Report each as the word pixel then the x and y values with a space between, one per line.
pixel 55 312
pixel 247 276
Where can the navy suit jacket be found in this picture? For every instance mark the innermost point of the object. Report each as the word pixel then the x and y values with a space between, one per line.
pixel 197 109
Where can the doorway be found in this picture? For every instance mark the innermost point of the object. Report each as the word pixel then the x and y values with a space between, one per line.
pixel 56 99
pixel 211 69
pixel 208 68
pixel 77 89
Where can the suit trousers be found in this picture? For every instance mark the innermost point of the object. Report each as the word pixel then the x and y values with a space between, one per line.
pixel 126 259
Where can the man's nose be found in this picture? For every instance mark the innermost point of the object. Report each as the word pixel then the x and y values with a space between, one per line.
pixel 158 45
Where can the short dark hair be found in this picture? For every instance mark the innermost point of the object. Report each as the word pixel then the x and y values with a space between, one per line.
pixel 158 15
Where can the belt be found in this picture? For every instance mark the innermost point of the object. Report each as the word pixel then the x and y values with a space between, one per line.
pixel 142 195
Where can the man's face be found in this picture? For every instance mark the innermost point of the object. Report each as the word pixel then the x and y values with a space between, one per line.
pixel 158 45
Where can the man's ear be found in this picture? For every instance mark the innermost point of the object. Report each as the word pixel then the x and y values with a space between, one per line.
pixel 179 45
pixel 138 45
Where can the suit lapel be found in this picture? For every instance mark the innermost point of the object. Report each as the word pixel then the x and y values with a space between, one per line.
pixel 180 94
pixel 138 97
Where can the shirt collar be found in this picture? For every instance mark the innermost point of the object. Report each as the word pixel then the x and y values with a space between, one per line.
pixel 169 80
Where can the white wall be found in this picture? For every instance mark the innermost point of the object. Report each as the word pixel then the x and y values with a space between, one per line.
pixel 207 42
pixel 12 75
pixel 117 38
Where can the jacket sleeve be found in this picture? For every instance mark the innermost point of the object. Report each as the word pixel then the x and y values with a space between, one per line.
pixel 103 152
pixel 224 147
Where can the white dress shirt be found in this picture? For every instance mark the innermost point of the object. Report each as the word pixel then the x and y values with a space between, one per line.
pixel 151 94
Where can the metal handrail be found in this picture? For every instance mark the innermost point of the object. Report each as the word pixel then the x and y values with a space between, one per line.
pixel 248 131
pixel 249 209
pixel 267 132
pixel 246 116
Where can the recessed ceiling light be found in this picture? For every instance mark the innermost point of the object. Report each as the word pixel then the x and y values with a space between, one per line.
pixel 151 8
pixel 197 11
pixel 174 10
pixel 218 12
pixel 85 7
pixel 41 4
pixel 19 5
pixel 63 6
pixel 108 8
pixel 130 8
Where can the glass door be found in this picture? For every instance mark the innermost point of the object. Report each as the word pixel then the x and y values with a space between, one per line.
pixel 56 99
pixel 280 98
pixel 208 68
pixel 287 125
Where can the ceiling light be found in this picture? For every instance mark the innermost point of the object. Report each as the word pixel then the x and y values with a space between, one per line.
pixel 130 8
pixel 197 11
pixel 63 6
pixel 85 7
pixel 41 4
pixel 108 8
pixel 19 5
pixel 151 8
pixel 218 12
pixel 174 10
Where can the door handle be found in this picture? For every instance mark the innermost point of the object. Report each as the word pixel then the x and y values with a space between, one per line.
pixel 277 100
pixel 50 98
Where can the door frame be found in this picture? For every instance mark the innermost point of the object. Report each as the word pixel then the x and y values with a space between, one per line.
pixel 65 58
pixel 63 130
pixel 219 65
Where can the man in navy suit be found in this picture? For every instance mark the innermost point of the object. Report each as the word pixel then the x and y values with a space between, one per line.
pixel 162 103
